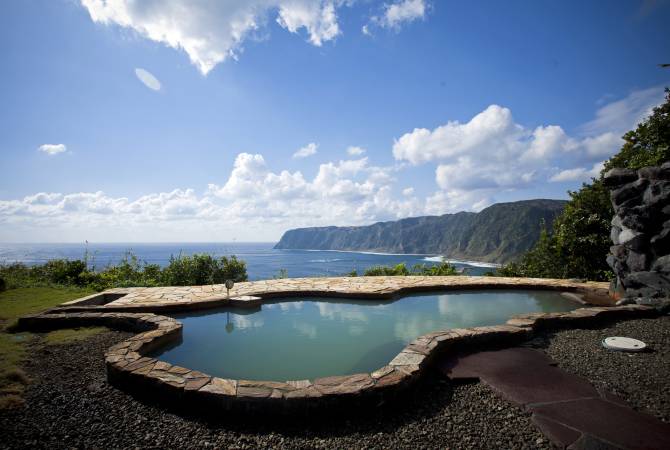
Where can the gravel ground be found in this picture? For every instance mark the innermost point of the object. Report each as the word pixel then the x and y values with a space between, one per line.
pixel 642 379
pixel 71 405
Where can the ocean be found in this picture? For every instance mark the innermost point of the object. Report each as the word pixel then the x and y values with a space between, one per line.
pixel 263 262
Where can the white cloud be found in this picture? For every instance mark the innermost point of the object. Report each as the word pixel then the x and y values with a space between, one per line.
pixel 355 151
pixel 52 149
pixel 254 201
pixel 578 173
pixel 407 192
pixel 396 14
pixel 212 31
pixel 491 153
pixel 307 150
pixel 317 18
pixel 622 115
pixel 148 79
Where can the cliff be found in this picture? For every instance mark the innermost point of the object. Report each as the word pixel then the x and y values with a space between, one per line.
pixel 497 234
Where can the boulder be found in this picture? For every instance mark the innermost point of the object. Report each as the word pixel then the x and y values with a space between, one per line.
pixel 652 280
pixel 619 251
pixel 658 192
pixel 633 240
pixel 616 177
pixel 661 242
pixel 637 262
pixel 614 235
pixel 662 265
pixel 628 194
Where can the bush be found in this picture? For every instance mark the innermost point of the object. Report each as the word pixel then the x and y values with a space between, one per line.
pixel 130 271
pixel 3 286
pixel 377 271
pixel 203 269
pixel 442 269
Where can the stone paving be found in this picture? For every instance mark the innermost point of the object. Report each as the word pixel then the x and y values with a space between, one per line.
pixel 567 408
pixel 248 293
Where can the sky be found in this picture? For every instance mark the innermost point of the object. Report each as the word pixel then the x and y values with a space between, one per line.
pixel 235 120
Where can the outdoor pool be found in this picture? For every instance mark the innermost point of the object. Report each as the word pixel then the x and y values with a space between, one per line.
pixel 311 337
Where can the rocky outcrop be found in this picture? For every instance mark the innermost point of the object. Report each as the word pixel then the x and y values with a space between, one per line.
pixel 640 256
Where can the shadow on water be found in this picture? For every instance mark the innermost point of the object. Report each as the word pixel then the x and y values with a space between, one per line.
pixel 382 354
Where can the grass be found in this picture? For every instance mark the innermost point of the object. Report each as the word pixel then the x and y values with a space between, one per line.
pixel 60 337
pixel 15 303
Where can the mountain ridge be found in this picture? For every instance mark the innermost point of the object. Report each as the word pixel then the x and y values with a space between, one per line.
pixel 497 234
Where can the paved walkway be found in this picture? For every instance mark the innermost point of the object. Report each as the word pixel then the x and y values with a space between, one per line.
pixel 566 408
pixel 381 287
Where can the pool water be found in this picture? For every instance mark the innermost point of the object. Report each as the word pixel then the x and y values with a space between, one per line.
pixel 307 338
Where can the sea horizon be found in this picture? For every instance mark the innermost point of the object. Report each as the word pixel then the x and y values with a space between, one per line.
pixel 262 259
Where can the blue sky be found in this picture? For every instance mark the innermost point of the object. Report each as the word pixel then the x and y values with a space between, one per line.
pixel 263 115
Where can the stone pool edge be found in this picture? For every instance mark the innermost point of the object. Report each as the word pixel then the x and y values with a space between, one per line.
pixel 253 294
pixel 128 368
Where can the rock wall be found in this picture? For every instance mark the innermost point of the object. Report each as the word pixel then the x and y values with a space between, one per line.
pixel 640 256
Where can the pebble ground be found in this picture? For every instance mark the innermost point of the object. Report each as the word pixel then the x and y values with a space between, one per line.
pixel 642 379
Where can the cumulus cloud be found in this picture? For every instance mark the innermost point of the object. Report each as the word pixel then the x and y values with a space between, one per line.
pixel 491 153
pixel 396 14
pixel 253 199
pixel 307 150
pixel 317 18
pixel 148 79
pixel 355 151
pixel 212 31
pixel 578 173
pixel 348 191
pixel 52 149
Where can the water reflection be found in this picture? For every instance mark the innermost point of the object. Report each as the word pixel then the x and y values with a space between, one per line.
pixel 319 337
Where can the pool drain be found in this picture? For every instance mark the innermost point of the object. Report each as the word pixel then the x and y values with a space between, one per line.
pixel 623 344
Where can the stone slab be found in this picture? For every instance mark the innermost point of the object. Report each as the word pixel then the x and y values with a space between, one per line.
pixel 567 408
pixel 608 422
pixel 522 375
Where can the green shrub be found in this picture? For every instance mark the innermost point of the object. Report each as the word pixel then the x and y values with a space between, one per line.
pixel 281 274
pixel 130 271
pixel 65 272
pixel 442 269
pixel 203 269
pixel 377 271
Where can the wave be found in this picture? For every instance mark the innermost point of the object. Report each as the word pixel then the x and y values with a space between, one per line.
pixel 461 261
pixel 325 260
pixel 428 258
pixel 365 253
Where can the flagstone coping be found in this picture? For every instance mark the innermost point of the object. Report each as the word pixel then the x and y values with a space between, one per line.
pixel 251 294
pixel 129 368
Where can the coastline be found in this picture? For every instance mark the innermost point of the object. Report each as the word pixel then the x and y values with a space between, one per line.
pixel 431 257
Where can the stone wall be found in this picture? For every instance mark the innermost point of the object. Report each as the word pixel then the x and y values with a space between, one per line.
pixel 640 256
